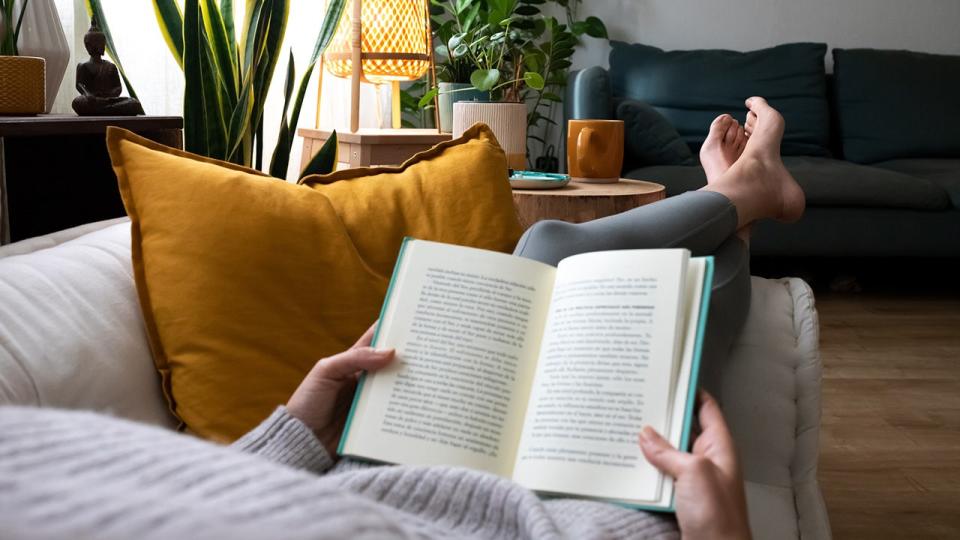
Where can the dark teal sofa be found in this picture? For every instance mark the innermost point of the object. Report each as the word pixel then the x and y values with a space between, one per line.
pixel 876 146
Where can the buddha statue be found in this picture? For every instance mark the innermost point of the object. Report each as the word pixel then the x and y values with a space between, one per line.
pixel 98 82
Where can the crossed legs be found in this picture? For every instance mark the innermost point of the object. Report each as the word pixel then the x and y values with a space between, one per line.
pixel 746 181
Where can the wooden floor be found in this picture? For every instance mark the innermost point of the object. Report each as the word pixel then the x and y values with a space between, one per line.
pixel 890 444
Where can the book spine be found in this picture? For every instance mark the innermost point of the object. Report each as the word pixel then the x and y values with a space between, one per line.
pixel 374 342
pixel 685 442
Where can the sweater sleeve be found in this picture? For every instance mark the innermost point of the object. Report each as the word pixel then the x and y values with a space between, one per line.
pixel 283 439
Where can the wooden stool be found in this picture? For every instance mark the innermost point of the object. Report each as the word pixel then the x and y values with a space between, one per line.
pixel 578 202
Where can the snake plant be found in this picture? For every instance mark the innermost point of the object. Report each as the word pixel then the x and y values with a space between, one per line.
pixel 10 27
pixel 227 73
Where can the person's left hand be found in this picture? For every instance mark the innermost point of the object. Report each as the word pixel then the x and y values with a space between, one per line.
pixel 323 399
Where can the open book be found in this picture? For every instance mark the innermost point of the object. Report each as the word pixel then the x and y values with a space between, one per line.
pixel 538 374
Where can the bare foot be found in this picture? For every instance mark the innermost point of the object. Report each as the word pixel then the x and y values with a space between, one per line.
pixel 722 147
pixel 757 183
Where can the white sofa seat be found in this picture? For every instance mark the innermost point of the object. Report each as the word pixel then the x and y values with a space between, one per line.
pixel 72 336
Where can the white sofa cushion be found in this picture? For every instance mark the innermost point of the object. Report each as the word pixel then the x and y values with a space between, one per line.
pixel 771 400
pixel 72 336
pixel 71 333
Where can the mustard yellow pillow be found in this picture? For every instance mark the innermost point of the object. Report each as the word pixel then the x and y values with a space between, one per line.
pixel 245 281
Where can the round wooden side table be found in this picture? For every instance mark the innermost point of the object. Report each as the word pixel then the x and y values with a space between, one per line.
pixel 577 202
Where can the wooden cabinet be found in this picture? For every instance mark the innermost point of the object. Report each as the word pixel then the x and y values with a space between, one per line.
pixel 55 172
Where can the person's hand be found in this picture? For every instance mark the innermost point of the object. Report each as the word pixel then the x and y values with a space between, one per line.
pixel 323 399
pixel 709 494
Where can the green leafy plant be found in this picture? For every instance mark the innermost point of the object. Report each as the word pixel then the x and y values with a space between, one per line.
pixel 553 61
pixel 510 48
pixel 10 27
pixel 415 116
pixel 489 37
pixel 227 74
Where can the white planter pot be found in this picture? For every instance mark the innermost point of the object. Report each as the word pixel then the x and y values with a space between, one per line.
pixel 508 121
pixel 42 35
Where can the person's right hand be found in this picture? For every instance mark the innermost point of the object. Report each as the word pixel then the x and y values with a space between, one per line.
pixel 709 496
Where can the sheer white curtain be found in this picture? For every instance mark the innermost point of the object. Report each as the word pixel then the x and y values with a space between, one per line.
pixel 159 82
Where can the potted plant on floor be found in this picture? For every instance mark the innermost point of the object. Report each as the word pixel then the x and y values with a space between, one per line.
pixel 22 78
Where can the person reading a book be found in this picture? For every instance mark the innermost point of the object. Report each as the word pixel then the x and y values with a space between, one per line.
pixel 282 480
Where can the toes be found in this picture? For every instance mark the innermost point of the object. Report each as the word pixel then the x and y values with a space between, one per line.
pixel 772 119
pixel 757 103
pixel 751 123
pixel 719 126
pixel 741 141
pixel 730 136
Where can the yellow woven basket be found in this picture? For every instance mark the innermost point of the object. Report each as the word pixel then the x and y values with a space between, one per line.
pixel 22 85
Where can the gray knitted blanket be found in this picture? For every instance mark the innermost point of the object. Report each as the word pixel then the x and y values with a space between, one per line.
pixel 67 474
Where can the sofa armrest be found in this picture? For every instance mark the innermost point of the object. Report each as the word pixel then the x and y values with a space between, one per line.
pixel 771 399
pixel 588 94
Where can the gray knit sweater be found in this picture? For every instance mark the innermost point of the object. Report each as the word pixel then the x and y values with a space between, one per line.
pixel 82 475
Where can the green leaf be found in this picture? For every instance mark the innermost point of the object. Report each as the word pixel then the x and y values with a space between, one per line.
pixel 552 97
pixel 484 79
pixel 280 163
pixel 170 21
pixel 468 20
pixel 325 161
pixel 327 28
pixel 215 109
pixel 94 9
pixel 281 152
pixel 428 97
pixel 226 11
pixel 595 28
pixel 194 122
pixel 221 52
pixel 533 80
pixel 239 127
pixel 455 41
pixel 16 31
pixel 528 11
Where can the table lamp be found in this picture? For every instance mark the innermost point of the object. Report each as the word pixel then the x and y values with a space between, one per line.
pixel 390 40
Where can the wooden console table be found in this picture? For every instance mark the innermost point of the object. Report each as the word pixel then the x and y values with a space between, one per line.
pixel 577 202
pixel 371 147
pixel 55 172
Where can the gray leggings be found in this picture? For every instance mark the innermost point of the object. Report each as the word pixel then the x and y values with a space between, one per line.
pixel 703 222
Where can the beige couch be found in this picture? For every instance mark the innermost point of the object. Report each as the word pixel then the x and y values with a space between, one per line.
pixel 71 335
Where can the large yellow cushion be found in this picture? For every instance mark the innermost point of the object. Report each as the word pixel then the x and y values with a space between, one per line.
pixel 245 281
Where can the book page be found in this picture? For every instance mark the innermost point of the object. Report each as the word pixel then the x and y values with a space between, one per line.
pixel 605 367
pixel 466 324
pixel 688 365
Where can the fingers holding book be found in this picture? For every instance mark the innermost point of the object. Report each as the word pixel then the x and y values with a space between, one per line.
pixel 323 398
pixel 710 499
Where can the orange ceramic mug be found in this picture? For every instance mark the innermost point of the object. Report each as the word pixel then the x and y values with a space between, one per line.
pixel 595 150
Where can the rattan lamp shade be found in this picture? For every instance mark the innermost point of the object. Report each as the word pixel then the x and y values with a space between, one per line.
pixel 394 37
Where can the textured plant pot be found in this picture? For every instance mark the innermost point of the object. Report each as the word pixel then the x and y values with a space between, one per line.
pixel 507 120
pixel 42 36
pixel 22 85
pixel 447 98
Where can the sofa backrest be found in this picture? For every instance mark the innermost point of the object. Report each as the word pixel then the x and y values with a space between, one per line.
pixel 71 333
pixel 691 88
pixel 896 104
